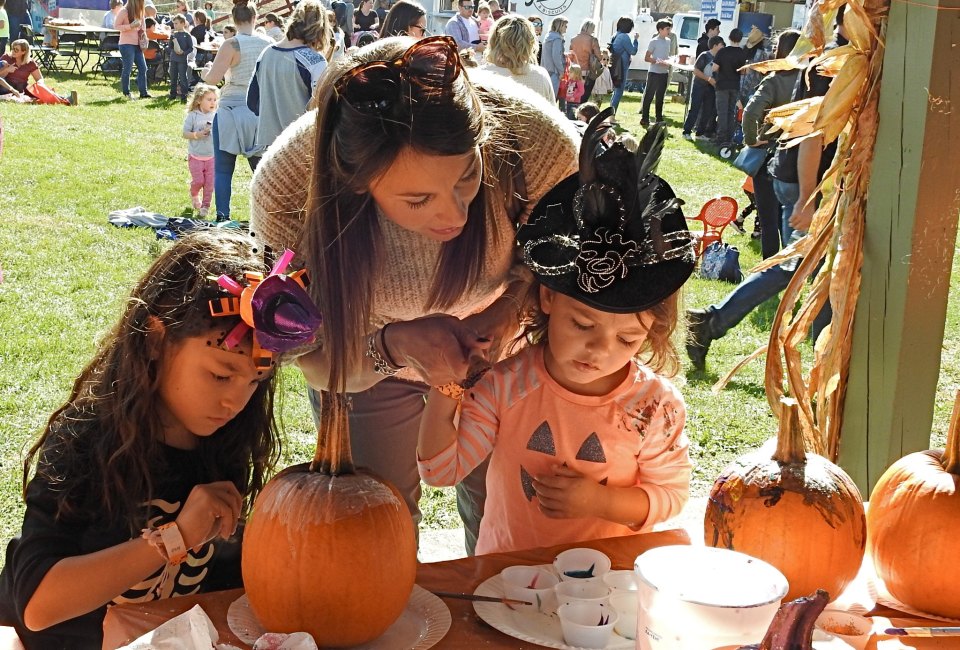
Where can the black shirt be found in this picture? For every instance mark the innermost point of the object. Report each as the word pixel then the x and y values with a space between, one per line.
pixel 783 165
pixel 364 23
pixel 702 44
pixel 45 540
pixel 730 59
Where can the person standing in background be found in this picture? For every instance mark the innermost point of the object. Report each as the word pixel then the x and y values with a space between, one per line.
pixel 711 29
pixel 464 28
pixel 726 70
pixel 554 61
pixel 585 45
pixel 703 101
pixel 658 53
pixel 622 48
pixel 4 28
pixel 538 30
pixel 18 13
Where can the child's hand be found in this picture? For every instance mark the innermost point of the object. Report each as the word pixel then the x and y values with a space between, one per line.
pixel 567 494
pixel 211 509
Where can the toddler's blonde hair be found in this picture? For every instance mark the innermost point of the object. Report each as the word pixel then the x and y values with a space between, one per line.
pixel 199 91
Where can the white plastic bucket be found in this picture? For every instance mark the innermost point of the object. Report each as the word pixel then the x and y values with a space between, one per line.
pixel 696 597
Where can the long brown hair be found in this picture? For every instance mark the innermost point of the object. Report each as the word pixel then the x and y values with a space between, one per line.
pixel 341 240
pixel 101 448
pixel 134 9
pixel 658 350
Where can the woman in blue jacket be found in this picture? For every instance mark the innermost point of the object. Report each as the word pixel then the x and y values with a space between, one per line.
pixel 622 47
pixel 553 52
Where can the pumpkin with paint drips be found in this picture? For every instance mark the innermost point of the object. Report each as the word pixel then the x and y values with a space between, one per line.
pixel 914 524
pixel 329 550
pixel 797 511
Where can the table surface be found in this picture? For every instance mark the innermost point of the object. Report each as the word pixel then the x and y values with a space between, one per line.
pixel 81 29
pixel 124 623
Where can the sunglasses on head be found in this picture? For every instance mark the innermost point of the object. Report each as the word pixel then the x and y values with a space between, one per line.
pixel 467 7
pixel 431 64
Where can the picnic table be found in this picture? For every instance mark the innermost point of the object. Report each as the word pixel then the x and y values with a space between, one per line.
pixel 82 39
pixel 124 623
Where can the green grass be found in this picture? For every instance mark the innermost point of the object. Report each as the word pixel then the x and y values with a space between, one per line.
pixel 67 271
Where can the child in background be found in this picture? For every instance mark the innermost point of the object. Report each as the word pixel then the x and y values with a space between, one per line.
pixel 585 436
pixel 575 88
pixel 144 474
pixel 197 128
pixel 486 22
pixel 604 83
pixel 229 31
pixel 182 45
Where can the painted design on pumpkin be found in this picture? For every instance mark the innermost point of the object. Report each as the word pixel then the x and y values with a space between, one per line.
pixel 542 440
pixel 591 450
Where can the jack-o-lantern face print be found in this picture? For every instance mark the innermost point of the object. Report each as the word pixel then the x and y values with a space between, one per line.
pixel 542 441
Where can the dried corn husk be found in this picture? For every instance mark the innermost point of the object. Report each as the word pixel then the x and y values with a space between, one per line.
pixel 833 249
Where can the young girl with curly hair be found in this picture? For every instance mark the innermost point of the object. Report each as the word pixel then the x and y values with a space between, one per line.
pixel 142 478
pixel 585 435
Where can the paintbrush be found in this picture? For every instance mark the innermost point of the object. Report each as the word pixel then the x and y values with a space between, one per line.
pixel 483 599
pixel 923 631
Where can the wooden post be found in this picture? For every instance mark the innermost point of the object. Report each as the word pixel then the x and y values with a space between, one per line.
pixel 911 230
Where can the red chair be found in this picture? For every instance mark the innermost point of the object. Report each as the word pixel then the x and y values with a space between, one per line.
pixel 715 215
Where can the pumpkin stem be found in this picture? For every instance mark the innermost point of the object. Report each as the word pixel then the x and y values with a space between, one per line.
pixel 790 448
pixel 333 456
pixel 951 454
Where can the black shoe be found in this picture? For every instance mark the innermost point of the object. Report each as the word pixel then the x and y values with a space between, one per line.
pixel 737 224
pixel 146 96
pixel 698 336
pixel 645 124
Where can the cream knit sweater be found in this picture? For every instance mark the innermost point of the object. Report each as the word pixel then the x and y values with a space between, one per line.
pixel 548 146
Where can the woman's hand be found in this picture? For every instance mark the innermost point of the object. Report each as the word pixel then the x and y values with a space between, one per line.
pixel 568 494
pixel 499 323
pixel 438 347
pixel 211 509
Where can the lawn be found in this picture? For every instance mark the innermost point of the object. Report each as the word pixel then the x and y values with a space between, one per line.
pixel 66 272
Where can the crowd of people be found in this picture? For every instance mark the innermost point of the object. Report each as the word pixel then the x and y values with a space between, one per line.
pixel 498 286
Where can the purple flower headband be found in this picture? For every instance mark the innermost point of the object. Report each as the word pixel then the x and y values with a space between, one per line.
pixel 277 308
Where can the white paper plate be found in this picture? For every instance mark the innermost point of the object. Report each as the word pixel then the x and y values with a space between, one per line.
pixel 421 625
pixel 535 627
pixel 878 590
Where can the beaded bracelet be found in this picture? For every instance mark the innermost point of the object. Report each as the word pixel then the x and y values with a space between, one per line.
pixel 168 541
pixel 380 363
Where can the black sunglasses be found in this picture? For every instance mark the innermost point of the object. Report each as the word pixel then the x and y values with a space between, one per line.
pixel 432 64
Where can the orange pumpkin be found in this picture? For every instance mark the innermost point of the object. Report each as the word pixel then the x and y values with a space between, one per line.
pixel 797 511
pixel 329 550
pixel 913 525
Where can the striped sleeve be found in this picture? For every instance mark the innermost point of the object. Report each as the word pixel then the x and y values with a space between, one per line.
pixel 476 436
pixel 663 465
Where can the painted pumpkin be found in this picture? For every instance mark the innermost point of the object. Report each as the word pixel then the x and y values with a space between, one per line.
pixel 913 526
pixel 329 550
pixel 797 511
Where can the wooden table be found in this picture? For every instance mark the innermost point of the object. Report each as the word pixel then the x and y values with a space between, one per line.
pixel 124 623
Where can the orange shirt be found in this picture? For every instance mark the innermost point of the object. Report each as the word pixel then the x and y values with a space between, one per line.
pixel 526 422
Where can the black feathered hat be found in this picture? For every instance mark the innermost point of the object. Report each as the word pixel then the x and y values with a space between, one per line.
pixel 612 236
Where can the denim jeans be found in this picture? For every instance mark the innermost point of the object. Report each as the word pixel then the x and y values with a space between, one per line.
pixel 384 426
pixel 616 97
pixel 179 77
pixel 787 194
pixel 726 115
pixel 707 122
pixel 759 287
pixel 224 164
pixel 696 105
pixel 131 54
pixel 653 92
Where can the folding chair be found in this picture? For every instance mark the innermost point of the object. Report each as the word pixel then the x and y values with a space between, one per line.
pixel 44 54
pixel 69 48
pixel 715 215
pixel 109 60
pixel 156 56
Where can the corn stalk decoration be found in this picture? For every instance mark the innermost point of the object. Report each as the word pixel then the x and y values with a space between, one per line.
pixel 849 111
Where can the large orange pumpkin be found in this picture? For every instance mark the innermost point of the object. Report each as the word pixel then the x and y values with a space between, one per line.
pixel 913 527
pixel 329 550
pixel 797 511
